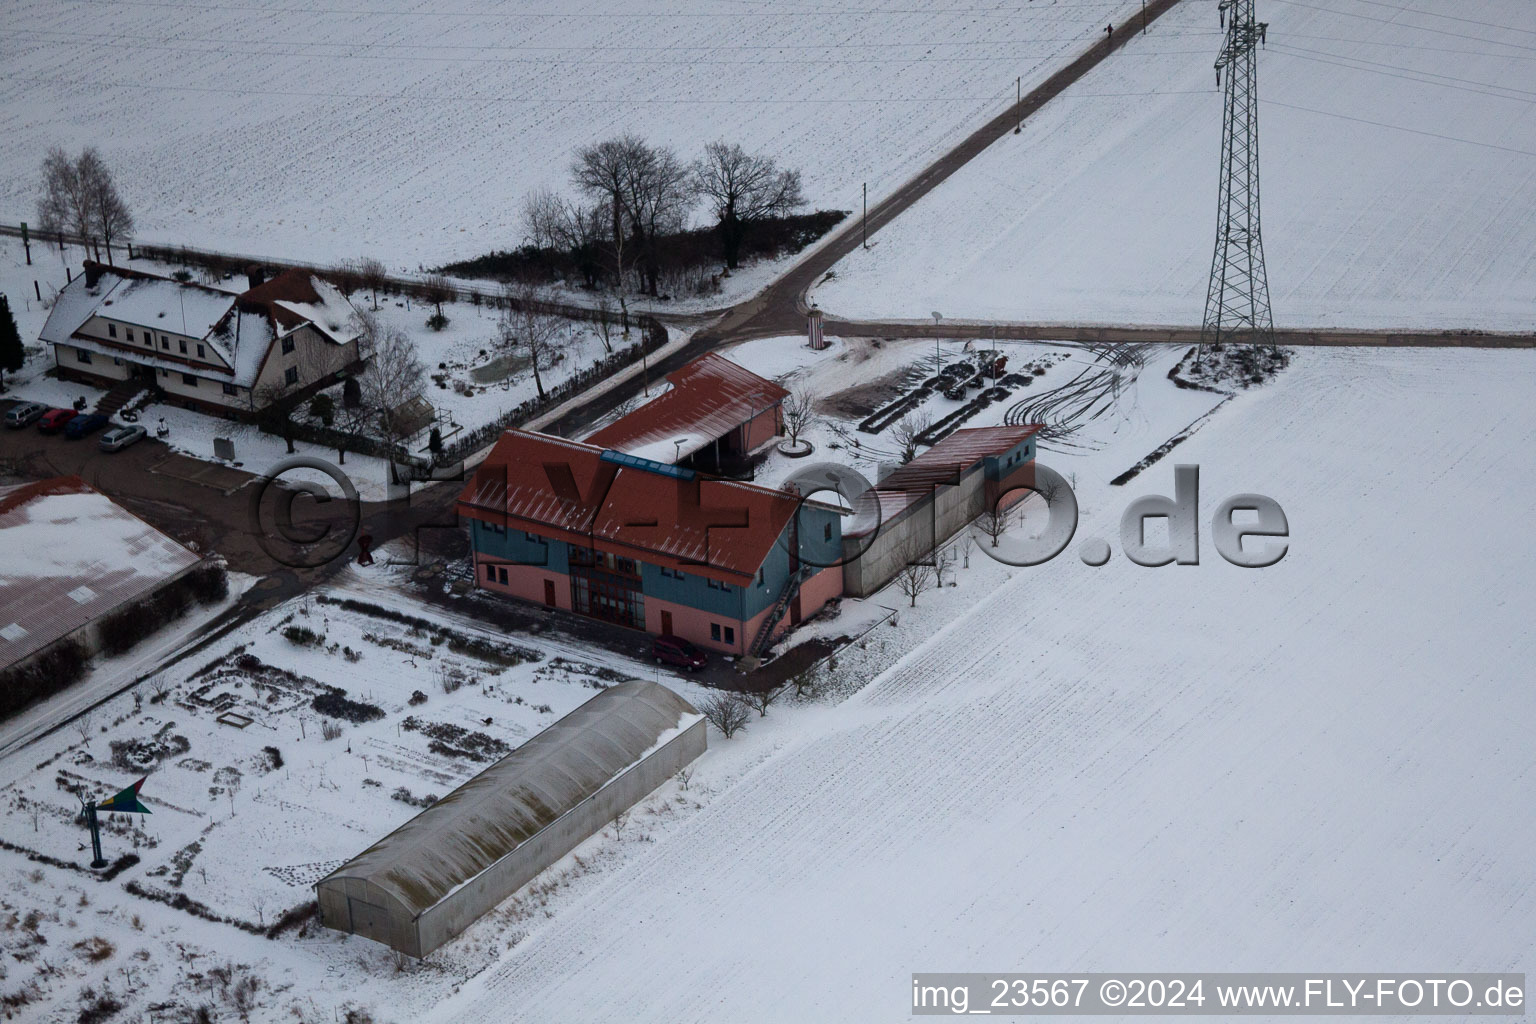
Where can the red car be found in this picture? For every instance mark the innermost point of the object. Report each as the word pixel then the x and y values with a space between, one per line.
pixel 674 650
pixel 54 420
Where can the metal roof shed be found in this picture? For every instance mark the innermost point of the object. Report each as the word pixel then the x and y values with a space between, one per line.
pixel 432 877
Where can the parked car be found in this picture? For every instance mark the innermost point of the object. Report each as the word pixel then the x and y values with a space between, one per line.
pixel 674 650
pixel 79 426
pixel 53 421
pixel 118 438
pixel 24 413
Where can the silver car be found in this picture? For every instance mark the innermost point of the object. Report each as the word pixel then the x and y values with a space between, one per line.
pixel 118 438
pixel 24 413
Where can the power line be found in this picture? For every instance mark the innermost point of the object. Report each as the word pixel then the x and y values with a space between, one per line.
pixel 1009 58
pixel 1413 46
pixel 861 12
pixel 1448 17
pixel 1399 24
pixel 1400 128
pixel 492 98
pixel 582 47
pixel 1339 61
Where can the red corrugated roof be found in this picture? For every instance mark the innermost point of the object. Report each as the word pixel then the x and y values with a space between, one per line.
pixel 953 455
pixel 942 464
pixel 564 490
pixel 72 555
pixel 710 397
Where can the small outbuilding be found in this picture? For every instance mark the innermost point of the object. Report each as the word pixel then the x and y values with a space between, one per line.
pixel 432 877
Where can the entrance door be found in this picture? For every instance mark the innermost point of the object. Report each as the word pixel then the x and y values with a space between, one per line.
pixel 549 593
pixel 666 623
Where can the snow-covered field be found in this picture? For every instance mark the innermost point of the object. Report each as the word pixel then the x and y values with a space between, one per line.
pixel 412 132
pixel 1398 148
pixel 1320 765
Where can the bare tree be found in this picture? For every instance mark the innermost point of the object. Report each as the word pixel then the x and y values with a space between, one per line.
pixel 524 326
pixel 763 699
pixel 726 712
pixel 743 187
pixel 373 275
pixel 993 522
pixel 658 192
pixel 799 412
pixel 392 377
pixel 109 215
pixel 907 431
pixel 553 222
pixel 605 320
pixel 437 290
pixel 602 170
pixel 620 822
pixel 83 726
pixel 967 545
pixel 917 573
pixel 65 203
pixel 943 562
pixel 54 202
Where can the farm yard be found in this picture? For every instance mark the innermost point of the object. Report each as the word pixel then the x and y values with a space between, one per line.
pixel 1396 147
pixel 414 134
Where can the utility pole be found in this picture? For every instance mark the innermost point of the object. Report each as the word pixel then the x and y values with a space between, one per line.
pixel 1018 103
pixel 864 223
pixel 1237 303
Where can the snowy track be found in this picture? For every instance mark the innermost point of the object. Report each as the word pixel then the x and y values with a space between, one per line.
pixel 1312 766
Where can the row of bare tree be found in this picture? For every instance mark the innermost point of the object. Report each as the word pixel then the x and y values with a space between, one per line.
pixel 80 198
pixel 632 194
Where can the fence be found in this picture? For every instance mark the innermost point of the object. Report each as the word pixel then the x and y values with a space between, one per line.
pixel 653 337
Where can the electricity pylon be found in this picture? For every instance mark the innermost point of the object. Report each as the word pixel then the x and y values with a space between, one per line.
pixel 1237 304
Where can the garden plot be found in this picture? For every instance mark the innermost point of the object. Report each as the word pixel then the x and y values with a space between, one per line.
pixel 472 379
pixel 414 134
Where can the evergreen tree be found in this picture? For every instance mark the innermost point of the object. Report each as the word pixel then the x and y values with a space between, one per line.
pixel 11 354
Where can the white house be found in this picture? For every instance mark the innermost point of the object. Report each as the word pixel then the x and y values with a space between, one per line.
pixel 205 348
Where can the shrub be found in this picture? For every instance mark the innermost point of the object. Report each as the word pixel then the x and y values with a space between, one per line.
pixel 335 704
pixel 274 756
pixel 437 321
pixel 120 630
pixel 330 730
pixel 208 584
pixel 303 636
pixel 417 697
pixel 351 393
pixel 323 408
pixel 58 667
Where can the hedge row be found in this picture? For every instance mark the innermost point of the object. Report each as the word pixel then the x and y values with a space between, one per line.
pixel 126 626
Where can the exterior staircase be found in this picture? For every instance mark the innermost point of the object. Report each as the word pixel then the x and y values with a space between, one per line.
pixel 121 394
pixel 760 642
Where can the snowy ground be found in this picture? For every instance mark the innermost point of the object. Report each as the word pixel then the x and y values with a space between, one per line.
pixel 1127 768
pixel 413 133
pixel 1398 149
